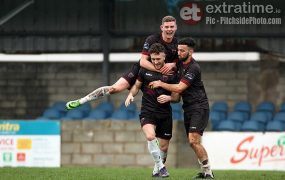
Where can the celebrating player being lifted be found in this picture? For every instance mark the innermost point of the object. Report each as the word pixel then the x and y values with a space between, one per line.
pixel 166 38
pixel 156 114
pixel 195 101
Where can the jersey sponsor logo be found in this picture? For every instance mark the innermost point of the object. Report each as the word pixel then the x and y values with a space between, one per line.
pixel 148 74
pixel 189 76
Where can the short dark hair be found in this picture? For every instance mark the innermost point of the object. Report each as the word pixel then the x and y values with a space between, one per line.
pixel 190 42
pixel 168 19
pixel 156 48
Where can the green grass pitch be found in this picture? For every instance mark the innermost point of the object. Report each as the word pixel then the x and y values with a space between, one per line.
pixel 127 174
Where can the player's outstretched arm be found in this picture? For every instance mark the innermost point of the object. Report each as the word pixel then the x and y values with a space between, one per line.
pixel 97 93
pixel 133 92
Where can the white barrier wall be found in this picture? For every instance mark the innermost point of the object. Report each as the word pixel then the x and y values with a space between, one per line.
pixel 29 143
pixel 245 150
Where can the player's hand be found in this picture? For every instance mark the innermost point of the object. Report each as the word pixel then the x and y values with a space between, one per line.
pixel 167 68
pixel 129 99
pixel 163 99
pixel 154 84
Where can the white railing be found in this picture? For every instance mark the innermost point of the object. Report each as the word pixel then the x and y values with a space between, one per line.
pixel 124 57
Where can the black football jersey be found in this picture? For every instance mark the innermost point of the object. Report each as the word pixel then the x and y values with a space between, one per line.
pixel 170 48
pixel 149 98
pixel 194 97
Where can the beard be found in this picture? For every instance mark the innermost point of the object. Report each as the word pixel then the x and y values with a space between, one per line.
pixel 184 58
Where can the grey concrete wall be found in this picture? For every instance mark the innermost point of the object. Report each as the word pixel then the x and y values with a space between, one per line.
pixel 116 143
pixel 26 89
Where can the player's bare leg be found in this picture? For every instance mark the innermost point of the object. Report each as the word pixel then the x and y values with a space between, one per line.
pixel 201 153
pixel 119 86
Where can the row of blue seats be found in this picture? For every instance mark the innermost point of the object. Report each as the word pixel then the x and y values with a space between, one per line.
pixel 105 110
pixel 255 126
pixel 244 106
pixel 242 119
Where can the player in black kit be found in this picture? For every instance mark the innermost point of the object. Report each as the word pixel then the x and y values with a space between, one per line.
pixel 195 102
pixel 156 114
pixel 166 38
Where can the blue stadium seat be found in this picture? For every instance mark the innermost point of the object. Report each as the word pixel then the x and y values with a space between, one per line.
pixel 260 117
pixel 131 109
pixel 252 126
pixel 42 118
pixel 237 116
pixel 106 106
pixel 227 126
pixel 282 107
pixel 266 106
pixel 120 114
pixel 97 115
pixel 275 126
pixel 244 107
pixel 75 114
pixel 279 117
pixel 215 119
pixel 85 108
pixel 60 105
pixel 52 114
pixel 222 107
pixel 136 116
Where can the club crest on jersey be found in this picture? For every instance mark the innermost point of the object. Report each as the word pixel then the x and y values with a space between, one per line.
pixel 146 45
pixel 130 75
pixel 164 78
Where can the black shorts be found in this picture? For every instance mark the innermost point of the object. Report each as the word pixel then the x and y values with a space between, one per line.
pixel 163 124
pixel 196 120
pixel 132 74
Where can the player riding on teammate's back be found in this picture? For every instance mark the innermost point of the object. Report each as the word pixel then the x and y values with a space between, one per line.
pixel 166 38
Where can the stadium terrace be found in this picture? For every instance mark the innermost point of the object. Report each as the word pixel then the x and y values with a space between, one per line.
pixel 244 8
